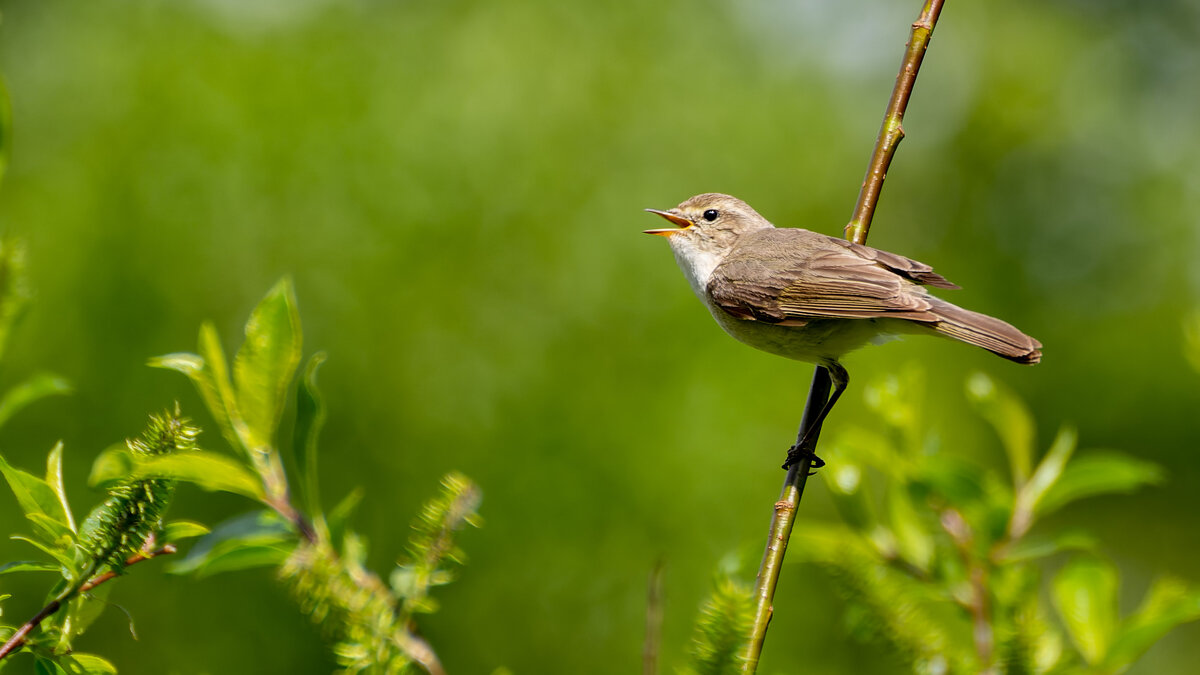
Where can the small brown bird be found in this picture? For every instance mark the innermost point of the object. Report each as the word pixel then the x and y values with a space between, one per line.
pixel 812 297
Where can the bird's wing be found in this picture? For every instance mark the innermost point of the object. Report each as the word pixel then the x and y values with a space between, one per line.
pixel 793 274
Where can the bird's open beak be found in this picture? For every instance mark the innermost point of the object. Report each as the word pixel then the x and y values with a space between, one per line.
pixel 680 223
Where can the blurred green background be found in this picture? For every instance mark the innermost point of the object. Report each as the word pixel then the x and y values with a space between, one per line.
pixel 457 187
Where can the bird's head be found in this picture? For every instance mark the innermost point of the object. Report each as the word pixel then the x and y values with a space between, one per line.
pixel 709 223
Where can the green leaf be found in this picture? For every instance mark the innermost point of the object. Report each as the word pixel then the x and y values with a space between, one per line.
pixel 1168 603
pixel 1085 594
pixel 178 530
pixel 1096 474
pixel 256 539
pixel 54 479
pixel 1011 419
pixel 208 470
pixel 86 664
pixel 65 558
pixel 1033 547
pixel 1030 495
pixel 35 388
pixel 80 613
pixel 44 666
pixel 310 417
pixel 914 543
pixel 28 566
pixel 266 363
pixel 37 498
pixel 210 376
pixel 341 513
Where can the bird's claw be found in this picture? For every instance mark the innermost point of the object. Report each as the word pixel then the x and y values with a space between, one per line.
pixel 797 452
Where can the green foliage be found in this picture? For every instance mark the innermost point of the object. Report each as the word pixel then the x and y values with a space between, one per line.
pixel 431 545
pixel 371 621
pixel 322 562
pixel 208 470
pixel 247 409
pixel 255 539
pixel 318 557
pixel 950 577
pixel 128 520
pixel 123 529
pixel 722 628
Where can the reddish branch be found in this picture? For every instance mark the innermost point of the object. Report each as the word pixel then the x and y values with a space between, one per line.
pixel 18 638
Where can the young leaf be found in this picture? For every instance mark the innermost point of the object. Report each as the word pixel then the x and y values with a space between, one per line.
pixel 55 480
pixel 1085 594
pixel 210 376
pixel 914 542
pixel 1033 547
pixel 310 417
pixel 79 614
pixel 1168 603
pixel 44 666
pixel 35 388
pixel 178 530
pixel 27 566
pixel 341 513
pixel 64 556
pixel 37 498
pixel 256 539
pixel 264 366
pixel 86 664
pixel 1029 495
pixel 1097 474
pixel 1011 419
pixel 208 470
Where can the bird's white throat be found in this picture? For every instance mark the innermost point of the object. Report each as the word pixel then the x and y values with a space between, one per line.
pixel 696 262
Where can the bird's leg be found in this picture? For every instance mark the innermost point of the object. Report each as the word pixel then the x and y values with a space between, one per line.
pixel 840 379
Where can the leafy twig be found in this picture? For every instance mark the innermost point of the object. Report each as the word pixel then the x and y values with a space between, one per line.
pixel 890 134
pixel 18 638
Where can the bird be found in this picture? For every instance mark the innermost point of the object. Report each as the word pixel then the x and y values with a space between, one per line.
pixel 811 297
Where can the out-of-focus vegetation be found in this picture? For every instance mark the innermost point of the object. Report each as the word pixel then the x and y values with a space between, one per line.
pixel 456 189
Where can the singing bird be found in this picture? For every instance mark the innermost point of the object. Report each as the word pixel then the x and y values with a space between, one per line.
pixel 811 297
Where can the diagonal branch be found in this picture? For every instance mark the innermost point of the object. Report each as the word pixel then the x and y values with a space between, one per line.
pixel 783 518
pixel 19 638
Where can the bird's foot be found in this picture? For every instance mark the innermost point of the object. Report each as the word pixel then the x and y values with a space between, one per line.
pixel 798 452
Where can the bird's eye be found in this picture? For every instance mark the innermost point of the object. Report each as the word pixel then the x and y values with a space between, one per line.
pixel 711 215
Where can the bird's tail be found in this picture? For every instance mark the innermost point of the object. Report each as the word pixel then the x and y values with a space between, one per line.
pixel 981 330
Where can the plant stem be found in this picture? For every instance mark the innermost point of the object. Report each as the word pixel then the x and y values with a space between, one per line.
pixel 781 523
pixel 890 134
pixel 18 638
pixel 654 620
pixel 892 130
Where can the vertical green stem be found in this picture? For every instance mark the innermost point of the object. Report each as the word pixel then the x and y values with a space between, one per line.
pixel 783 518
pixel 892 130
pixel 781 523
